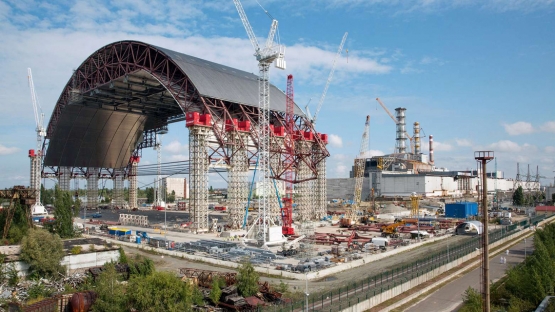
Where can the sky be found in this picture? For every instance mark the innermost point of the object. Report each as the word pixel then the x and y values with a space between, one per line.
pixel 476 74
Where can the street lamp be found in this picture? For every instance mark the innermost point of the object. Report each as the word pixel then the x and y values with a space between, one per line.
pixel 525 248
pixel 306 291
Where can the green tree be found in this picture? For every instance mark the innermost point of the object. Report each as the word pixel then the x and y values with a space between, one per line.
pixel 149 195
pixel 160 291
pixel 518 197
pixel 171 197
pixel 63 213
pixel 111 292
pixel 197 297
pixel 122 256
pixel 472 301
pixel 216 291
pixel 247 279
pixel 19 225
pixel 43 252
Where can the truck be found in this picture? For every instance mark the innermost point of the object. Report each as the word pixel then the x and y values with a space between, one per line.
pixel 380 241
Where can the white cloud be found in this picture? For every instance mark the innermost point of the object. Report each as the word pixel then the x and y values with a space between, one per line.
pixel 335 141
pixel 510 146
pixel 178 157
pixel 442 147
pixel 342 170
pixel 174 147
pixel 372 153
pixel 427 60
pixel 5 150
pixel 548 126
pixel 550 149
pixel 463 142
pixel 517 128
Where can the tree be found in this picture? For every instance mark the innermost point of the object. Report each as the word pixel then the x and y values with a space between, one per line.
pixel 19 226
pixel 518 196
pixel 111 293
pixel 171 197
pixel 216 291
pixel 472 301
pixel 63 213
pixel 159 291
pixel 43 252
pixel 149 195
pixel 247 279
pixel 198 297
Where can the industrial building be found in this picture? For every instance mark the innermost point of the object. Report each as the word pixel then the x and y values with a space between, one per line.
pixel 177 185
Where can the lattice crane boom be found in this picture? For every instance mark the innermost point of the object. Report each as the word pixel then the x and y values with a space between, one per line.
pixel 329 79
pixel 360 161
pixel 247 25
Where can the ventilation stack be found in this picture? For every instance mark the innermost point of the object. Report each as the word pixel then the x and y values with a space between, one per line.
pixel 401 146
pixel 416 136
pixel 431 149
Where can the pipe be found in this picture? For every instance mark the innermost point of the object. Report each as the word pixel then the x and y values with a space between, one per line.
pixel 431 149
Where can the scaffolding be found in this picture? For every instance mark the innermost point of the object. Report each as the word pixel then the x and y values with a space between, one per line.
pixel 64 178
pixel 133 183
pixel 198 177
pixel 238 187
pixel 304 189
pixel 321 194
pixel 119 200
pixel 92 188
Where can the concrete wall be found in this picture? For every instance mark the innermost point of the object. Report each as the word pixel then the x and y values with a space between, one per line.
pixel 75 262
pixel 345 188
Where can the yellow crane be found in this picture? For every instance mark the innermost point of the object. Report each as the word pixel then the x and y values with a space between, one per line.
pixel 360 161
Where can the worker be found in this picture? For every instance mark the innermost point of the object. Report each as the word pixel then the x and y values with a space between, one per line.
pixel 507 252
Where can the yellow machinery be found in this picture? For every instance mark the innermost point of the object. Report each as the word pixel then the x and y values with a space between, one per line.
pixel 415 204
pixel 391 230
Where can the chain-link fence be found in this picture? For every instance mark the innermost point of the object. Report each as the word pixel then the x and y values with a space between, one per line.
pixel 361 290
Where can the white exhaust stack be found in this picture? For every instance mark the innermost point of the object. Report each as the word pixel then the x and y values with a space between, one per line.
pixel 431 149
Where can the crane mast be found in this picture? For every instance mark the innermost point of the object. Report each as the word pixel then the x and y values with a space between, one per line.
pixel 287 210
pixel 329 80
pixel 360 161
pixel 36 159
pixel 265 57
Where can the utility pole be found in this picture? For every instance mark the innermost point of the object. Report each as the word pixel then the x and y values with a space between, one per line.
pixel 484 157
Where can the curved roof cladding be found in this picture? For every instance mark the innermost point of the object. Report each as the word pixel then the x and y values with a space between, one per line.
pixel 226 83
pixel 127 87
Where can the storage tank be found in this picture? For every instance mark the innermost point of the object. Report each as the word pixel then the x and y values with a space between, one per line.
pixel 461 210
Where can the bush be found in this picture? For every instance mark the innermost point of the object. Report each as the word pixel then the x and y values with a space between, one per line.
pixel 43 252
pixel 247 280
pixel 75 250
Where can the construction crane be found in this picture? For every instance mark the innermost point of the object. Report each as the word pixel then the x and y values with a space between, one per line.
pixel 265 56
pixel 289 140
pixel 360 161
pixel 313 118
pixel 397 122
pixel 36 159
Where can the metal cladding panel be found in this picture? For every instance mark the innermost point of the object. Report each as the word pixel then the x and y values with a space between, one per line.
pixel 92 137
pixel 226 83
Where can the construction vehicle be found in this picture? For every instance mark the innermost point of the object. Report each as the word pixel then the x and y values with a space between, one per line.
pixel 290 248
pixel 392 229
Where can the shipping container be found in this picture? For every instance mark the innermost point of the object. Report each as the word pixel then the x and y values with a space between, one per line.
pixel 461 210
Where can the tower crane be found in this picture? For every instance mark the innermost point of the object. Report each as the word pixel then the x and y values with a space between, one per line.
pixel 36 159
pixel 313 118
pixel 265 56
pixel 411 139
pixel 360 161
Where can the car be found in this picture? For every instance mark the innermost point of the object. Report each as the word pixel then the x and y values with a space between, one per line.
pixel 97 215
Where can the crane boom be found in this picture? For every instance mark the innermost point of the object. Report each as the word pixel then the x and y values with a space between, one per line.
pixel 329 79
pixel 247 25
pixel 360 161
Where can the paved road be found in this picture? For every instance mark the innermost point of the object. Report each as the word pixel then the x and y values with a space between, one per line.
pixel 449 297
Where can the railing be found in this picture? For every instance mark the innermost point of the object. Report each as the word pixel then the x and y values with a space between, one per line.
pixel 361 290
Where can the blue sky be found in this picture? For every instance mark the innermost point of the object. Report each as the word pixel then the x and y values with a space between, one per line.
pixel 477 74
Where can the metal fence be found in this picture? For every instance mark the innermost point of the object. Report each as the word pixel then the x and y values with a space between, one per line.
pixel 361 290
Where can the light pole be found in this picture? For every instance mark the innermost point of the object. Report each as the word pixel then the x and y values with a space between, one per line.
pixel 306 291
pixel 525 248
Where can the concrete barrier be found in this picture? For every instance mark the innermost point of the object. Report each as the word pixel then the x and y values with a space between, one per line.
pixel 413 283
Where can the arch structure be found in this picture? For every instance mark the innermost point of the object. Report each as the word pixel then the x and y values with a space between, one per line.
pixel 125 92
